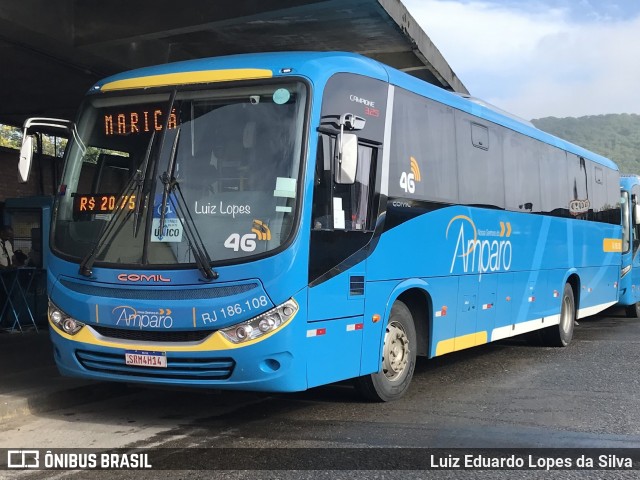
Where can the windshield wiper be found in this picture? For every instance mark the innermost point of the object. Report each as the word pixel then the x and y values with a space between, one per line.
pixel 167 178
pixel 141 175
pixel 111 228
pixel 170 186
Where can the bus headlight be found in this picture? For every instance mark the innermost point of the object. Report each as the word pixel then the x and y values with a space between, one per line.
pixel 64 322
pixel 262 324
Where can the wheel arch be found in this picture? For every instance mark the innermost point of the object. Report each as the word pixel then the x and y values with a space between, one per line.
pixel 573 279
pixel 415 295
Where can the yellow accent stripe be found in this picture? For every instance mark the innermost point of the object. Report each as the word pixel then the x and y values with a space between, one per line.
pixel 612 245
pixel 445 346
pixel 460 343
pixel 214 342
pixel 481 338
pixel 183 78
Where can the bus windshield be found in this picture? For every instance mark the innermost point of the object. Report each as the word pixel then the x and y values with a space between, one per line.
pixel 233 155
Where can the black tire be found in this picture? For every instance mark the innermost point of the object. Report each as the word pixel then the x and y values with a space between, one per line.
pixel 398 359
pixel 633 311
pixel 560 335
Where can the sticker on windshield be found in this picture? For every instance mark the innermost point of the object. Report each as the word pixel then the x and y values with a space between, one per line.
pixel 285 187
pixel 281 96
pixel 172 229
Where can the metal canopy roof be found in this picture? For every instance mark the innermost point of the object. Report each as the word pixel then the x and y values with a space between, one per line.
pixel 52 52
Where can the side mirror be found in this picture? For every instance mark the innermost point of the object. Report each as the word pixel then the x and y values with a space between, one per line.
pixel 26 157
pixel 31 129
pixel 636 214
pixel 346 159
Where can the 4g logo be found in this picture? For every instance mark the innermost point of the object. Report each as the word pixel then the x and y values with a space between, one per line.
pixel 408 180
pixel 247 242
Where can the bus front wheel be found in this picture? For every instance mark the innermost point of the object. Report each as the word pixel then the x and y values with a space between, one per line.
pixel 398 359
pixel 560 335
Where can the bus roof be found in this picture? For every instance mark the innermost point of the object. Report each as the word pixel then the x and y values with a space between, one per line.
pixel 629 181
pixel 322 65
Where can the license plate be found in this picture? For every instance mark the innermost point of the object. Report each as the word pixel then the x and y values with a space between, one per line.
pixel 145 359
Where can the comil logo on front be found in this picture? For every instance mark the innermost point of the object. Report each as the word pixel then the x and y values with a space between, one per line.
pixel 479 251
pixel 23 459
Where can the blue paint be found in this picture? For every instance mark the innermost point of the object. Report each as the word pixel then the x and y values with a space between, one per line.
pixel 508 279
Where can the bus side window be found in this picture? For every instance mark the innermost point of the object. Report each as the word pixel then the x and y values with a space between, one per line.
pixel 342 207
pixel 322 217
pixel 635 198
pixel 358 195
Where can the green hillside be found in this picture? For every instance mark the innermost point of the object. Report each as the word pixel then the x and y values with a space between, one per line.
pixel 614 136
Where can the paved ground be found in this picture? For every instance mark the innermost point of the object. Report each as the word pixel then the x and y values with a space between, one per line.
pixel 497 396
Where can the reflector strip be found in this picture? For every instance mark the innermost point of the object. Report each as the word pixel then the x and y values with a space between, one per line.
pixel 556 294
pixel 532 299
pixel 316 332
pixel 355 326
pixel 487 306
pixel 442 312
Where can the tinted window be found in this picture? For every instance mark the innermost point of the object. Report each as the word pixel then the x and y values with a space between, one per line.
pixel 612 178
pixel 521 172
pixel 423 151
pixel 579 202
pixel 362 96
pixel 480 136
pixel 554 183
pixel 480 171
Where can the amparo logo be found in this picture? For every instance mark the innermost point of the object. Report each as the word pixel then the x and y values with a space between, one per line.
pixel 479 251
pixel 127 316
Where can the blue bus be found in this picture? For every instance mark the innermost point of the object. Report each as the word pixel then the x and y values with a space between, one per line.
pixel 630 273
pixel 281 221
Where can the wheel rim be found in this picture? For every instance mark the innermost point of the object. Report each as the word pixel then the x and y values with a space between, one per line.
pixel 395 355
pixel 566 316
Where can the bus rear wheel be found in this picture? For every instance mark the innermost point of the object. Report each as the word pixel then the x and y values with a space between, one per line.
pixel 633 311
pixel 560 335
pixel 398 359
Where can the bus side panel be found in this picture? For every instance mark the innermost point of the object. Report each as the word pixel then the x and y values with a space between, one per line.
pixel 444 294
pixel 333 350
pixel 488 306
pixel 634 279
pixel 334 298
pixel 335 327
pixel 467 312
pixel 598 289
pixel 630 283
pixel 530 295
pixel 555 286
